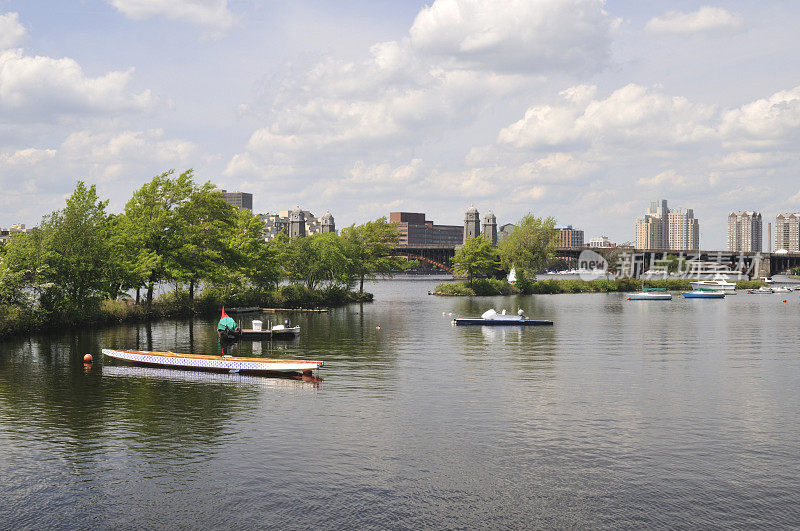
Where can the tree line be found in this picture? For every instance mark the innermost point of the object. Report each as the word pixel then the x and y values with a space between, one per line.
pixel 177 232
pixel 527 249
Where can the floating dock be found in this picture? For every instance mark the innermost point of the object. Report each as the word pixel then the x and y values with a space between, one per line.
pixel 464 321
pixel 283 333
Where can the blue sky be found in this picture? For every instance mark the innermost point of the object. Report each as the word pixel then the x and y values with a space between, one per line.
pixel 580 109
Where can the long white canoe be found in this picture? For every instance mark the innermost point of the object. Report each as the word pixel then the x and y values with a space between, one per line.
pixel 212 363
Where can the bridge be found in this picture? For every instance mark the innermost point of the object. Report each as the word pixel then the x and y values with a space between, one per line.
pixel 641 260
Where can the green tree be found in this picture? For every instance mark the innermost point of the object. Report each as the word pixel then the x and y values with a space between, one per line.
pixel 477 257
pixel 154 226
pixel 205 227
pixel 529 247
pixel 317 259
pixel 369 247
pixel 75 254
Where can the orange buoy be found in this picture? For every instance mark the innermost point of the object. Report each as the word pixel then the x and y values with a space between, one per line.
pixel 784 301
pixel 87 358
pixel 629 298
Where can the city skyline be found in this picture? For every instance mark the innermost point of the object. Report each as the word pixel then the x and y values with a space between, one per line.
pixel 386 106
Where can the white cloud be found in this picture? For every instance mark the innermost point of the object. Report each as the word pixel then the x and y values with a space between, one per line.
pixel 630 116
pixel 212 14
pixel 11 31
pixel 42 86
pixel 766 121
pixel 27 157
pixel 705 19
pixel 517 35
pixel 117 161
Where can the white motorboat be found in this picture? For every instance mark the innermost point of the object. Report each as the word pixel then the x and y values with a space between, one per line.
pixel 719 283
pixel 762 289
pixel 650 294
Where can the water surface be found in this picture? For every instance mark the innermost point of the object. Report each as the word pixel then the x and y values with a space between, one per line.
pixel 625 414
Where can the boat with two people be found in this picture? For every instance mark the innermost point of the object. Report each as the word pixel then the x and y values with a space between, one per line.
pixel 492 318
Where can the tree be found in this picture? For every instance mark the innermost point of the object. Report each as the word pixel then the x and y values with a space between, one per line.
pixel 529 247
pixel 477 257
pixel 153 226
pixel 257 260
pixel 369 248
pixel 75 254
pixel 206 225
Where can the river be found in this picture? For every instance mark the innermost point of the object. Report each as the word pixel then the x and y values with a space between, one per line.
pixel 623 414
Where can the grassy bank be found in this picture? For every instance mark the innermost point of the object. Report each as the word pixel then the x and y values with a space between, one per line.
pixel 16 320
pixel 485 286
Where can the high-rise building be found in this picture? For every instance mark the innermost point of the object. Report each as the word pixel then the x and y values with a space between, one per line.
pixel 569 237
pixel 490 227
pixel 241 200
pixel 472 223
pixel 787 232
pixel 683 230
pixel 662 228
pixel 416 230
pixel 745 231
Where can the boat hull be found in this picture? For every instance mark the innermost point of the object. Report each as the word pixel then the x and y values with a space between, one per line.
pixel 703 295
pixel 212 363
pixel 649 296
pixel 462 321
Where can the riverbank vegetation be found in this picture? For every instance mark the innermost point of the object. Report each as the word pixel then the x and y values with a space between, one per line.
pixel 491 286
pixel 83 265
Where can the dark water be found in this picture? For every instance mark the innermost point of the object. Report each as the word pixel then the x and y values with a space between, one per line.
pixel 624 414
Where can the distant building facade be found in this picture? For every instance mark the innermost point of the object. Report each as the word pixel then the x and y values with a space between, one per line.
pixel 416 230
pixel 662 228
pixel 490 227
pixel 569 237
pixel 600 241
pixel 306 224
pixel 17 228
pixel 241 200
pixel 787 232
pixel 745 232
pixel 472 223
pixel 505 231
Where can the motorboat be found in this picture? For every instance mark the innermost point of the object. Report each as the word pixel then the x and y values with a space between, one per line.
pixel 650 294
pixel 781 289
pixel 492 318
pixel 761 290
pixel 703 294
pixel 719 283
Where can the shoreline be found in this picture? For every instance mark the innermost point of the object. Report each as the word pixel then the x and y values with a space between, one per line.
pixel 493 287
pixel 15 321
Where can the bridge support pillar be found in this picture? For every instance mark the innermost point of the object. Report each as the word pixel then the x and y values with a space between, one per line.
pixel 763 267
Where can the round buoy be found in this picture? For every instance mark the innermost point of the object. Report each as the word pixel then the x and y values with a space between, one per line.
pixel 377 328
pixel 629 298
pixel 784 301
pixel 87 358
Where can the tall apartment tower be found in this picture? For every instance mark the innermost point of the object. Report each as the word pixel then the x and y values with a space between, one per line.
pixel 651 230
pixel 490 227
pixel 787 232
pixel 745 232
pixel 472 223
pixel 683 230
pixel 662 228
pixel 328 225
pixel 297 223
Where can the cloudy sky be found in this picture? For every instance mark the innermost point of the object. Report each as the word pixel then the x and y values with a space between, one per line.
pixel 580 109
